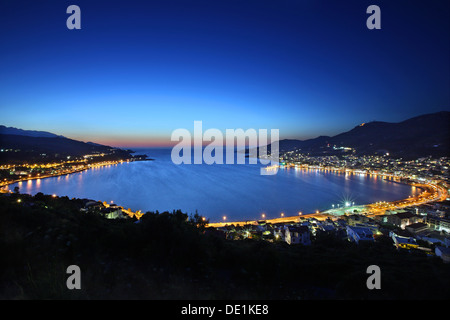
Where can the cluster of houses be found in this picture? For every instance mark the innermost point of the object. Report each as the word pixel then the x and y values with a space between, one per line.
pixel 109 211
pixel 425 228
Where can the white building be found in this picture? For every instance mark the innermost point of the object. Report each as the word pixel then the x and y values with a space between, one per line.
pixel 358 234
pixel 296 235
pixel 403 242
pixel 113 213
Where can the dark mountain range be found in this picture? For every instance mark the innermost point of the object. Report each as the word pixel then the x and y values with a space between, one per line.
pixel 19 145
pixel 29 133
pixel 425 135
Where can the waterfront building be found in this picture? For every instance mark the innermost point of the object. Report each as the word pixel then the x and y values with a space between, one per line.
pixel 418 227
pixel 402 219
pixel 439 224
pixel 113 213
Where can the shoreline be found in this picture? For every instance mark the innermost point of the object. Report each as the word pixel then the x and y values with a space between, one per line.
pixel 6 184
pixel 374 207
pixel 431 188
pixel 138 214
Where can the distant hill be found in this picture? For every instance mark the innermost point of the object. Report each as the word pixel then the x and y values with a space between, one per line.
pixel 425 135
pixel 49 145
pixel 22 145
pixel 29 133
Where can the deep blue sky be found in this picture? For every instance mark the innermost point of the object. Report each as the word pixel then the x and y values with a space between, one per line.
pixel 137 70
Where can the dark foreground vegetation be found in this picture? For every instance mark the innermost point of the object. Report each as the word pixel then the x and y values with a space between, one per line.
pixel 166 256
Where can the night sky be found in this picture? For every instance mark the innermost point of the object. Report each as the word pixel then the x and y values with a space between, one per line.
pixel 137 70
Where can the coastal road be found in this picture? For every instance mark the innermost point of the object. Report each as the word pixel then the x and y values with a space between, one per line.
pixel 432 193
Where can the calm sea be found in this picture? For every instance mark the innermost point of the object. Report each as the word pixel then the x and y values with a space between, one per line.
pixel 236 191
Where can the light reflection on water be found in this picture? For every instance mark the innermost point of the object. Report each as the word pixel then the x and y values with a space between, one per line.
pixel 237 191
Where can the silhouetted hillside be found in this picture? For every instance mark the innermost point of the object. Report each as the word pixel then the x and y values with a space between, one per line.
pixel 165 256
pixel 49 145
pixel 27 148
pixel 426 135
pixel 18 148
pixel 29 133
